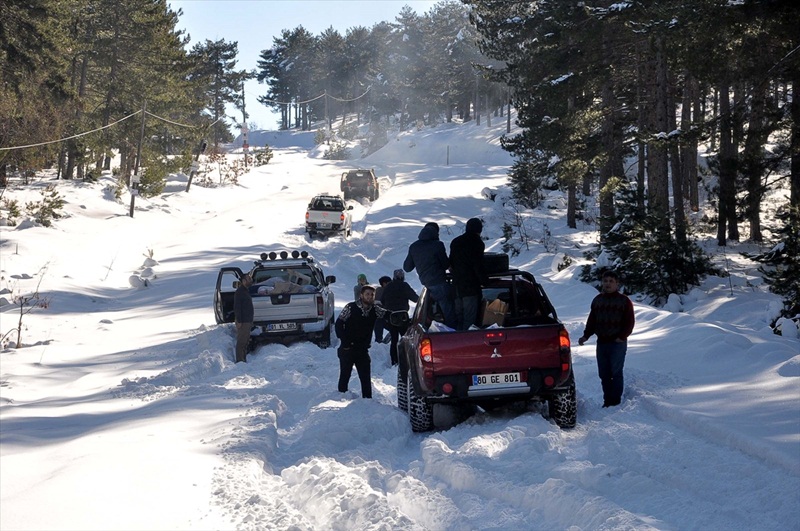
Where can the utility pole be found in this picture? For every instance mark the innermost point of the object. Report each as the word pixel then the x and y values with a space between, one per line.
pixel 245 146
pixel 136 177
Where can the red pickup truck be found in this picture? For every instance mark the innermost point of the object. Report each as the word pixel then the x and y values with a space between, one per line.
pixel 522 355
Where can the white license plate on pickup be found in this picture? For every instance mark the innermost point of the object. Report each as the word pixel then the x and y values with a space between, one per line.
pixel 280 327
pixel 497 379
pixel 323 225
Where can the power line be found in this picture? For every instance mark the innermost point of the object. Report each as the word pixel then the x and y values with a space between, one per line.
pixel 276 102
pixel 73 136
pixel 106 127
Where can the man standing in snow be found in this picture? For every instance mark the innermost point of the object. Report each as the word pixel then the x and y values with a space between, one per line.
pixel 244 315
pixel 354 328
pixel 395 298
pixel 466 262
pixel 611 318
pixel 429 257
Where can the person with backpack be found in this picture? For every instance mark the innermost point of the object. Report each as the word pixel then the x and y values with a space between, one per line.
pixel 396 296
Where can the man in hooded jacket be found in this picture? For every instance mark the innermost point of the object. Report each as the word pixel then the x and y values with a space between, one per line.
pixel 466 263
pixel 429 257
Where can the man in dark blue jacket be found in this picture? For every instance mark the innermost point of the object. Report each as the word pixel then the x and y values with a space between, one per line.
pixel 466 262
pixel 429 257
pixel 354 328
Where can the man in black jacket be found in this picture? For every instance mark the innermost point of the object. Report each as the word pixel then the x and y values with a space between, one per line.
pixel 354 328
pixel 244 315
pixel 466 263
pixel 429 257
pixel 395 297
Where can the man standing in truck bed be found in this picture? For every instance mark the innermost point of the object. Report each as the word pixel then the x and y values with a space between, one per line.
pixel 466 263
pixel 429 257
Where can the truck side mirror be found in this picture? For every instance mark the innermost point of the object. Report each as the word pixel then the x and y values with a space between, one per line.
pixel 330 279
pixel 399 319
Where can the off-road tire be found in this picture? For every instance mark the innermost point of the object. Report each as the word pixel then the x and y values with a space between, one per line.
pixel 563 406
pixel 420 413
pixel 402 391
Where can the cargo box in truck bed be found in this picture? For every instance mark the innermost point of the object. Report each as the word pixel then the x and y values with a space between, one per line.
pixel 524 355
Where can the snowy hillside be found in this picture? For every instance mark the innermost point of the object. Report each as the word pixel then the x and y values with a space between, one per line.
pixel 124 409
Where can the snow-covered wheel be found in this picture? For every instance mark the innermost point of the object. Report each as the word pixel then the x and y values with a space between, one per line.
pixel 402 391
pixel 563 406
pixel 420 413
pixel 324 340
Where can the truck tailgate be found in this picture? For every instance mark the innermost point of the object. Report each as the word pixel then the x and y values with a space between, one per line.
pixel 285 307
pixel 496 349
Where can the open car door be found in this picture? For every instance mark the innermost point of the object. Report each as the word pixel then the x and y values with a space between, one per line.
pixel 227 282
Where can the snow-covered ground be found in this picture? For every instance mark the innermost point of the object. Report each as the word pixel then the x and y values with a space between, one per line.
pixel 124 410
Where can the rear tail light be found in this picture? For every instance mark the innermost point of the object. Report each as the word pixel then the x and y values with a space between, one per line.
pixel 307 216
pixel 426 350
pixel 563 340
pixel 341 217
pixel 320 306
pixel 565 352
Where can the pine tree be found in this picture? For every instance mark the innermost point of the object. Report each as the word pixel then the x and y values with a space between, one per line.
pixel 649 259
pixel 781 264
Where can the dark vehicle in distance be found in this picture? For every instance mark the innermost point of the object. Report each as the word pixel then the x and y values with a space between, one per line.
pixel 360 183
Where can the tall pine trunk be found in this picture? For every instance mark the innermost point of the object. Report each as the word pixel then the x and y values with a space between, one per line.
pixel 657 159
pixel 795 142
pixel 676 168
pixel 690 122
pixel 753 160
pixel 727 171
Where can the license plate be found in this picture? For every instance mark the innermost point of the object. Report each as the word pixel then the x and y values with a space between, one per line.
pixel 277 327
pixel 323 225
pixel 497 379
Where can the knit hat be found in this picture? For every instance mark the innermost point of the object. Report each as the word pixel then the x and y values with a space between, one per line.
pixel 474 225
pixel 399 274
pixel 361 276
pixel 431 225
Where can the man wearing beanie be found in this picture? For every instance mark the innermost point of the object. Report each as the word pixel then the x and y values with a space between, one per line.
pixel 361 281
pixel 429 257
pixel 466 263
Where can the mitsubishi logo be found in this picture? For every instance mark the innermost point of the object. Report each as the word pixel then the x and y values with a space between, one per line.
pixel 496 354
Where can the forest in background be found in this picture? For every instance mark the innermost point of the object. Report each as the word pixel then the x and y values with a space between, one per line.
pixel 595 85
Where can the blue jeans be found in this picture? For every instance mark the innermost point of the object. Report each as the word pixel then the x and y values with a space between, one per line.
pixel 467 311
pixel 441 294
pixel 610 362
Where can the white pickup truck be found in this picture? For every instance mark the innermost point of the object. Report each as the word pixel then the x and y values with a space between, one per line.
pixel 292 297
pixel 328 214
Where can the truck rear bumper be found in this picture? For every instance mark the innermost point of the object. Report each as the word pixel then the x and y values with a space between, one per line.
pixel 463 390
